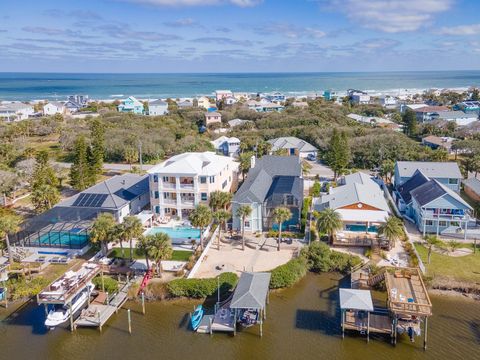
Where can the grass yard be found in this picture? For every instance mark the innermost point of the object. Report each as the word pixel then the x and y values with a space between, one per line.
pixel 463 268
pixel 178 255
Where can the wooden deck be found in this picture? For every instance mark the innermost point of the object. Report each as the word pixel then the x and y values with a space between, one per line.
pixel 357 240
pixel 406 293
pixel 378 323
pixel 98 313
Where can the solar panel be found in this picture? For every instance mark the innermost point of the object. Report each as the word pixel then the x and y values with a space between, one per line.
pixel 90 200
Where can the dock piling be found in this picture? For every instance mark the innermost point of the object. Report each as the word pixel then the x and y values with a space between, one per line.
pixel 129 322
pixel 71 316
pixel 143 303
pixel 425 334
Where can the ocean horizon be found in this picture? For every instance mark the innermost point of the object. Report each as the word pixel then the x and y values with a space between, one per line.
pixel 26 86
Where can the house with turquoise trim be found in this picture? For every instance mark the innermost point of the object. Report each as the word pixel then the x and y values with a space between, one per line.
pixel 131 105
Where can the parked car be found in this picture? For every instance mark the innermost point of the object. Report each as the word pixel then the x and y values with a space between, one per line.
pixel 311 157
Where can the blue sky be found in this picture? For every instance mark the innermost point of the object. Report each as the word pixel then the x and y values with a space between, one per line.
pixel 238 35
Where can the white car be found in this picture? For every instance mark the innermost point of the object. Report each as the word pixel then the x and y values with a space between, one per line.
pixel 311 157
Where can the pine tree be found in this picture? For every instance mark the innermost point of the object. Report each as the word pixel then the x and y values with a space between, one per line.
pixel 44 184
pixel 80 175
pixel 97 150
pixel 338 155
pixel 410 123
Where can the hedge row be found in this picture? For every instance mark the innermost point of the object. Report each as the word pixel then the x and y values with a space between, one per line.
pixel 288 274
pixel 110 284
pixel 201 288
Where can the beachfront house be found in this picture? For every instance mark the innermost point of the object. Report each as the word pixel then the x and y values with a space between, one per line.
pixel 54 107
pixel 228 146
pixel 204 102
pixel 272 182
pixel 264 106
pixel 359 97
pixel 359 200
pixel 387 101
pixel 157 107
pixel 213 117
pixel 182 182
pixel 15 111
pixel 293 146
pixel 222 94
pixel 447 173
pixel 131 105
pixel 276 97
pixel 185 104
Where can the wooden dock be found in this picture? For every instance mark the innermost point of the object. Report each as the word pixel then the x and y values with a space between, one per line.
pixel 98 312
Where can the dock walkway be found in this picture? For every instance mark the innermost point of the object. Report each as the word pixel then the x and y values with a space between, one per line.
pixel 98 313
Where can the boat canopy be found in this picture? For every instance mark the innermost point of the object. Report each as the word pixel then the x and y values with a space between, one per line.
pixel 354 299
pixel 251 291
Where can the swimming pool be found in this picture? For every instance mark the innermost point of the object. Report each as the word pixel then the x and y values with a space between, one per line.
pixel 177 234
pixel 361 228
pixel 61 239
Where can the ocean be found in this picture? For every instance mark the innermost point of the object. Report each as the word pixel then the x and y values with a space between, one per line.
pixel 51 86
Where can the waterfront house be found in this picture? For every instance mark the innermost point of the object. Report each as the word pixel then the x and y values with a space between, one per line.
pixel 15 111
pixel 264 106
pixel 54 107
pixel 182 182
pixel 294 146
pixel 472 188
pixel 447 173
pixel 228 146
pixel 67 224
pixel 359 97
pixel 131 105
pixel 229 100
pixel 157 107
pixel 359 200
pixel 469 105
pixel 272 181
pixel 276 97
pixel 81 100
pixel 437 142
pixel 387 101
pixel 330 95
pixel 212 117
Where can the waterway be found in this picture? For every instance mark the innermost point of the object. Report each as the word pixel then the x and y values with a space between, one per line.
pixel 302 323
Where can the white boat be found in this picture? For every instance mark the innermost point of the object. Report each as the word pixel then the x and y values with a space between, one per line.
pixel 59 315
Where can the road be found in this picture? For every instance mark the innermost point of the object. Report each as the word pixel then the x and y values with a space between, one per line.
pixel 114 167
pixel 319 169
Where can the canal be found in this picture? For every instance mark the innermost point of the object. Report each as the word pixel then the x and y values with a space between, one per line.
pixel 302 323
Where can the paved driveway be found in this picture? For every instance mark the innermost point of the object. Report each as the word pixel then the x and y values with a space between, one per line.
pixel 319 169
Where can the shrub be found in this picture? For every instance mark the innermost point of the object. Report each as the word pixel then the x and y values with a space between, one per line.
pixel 368 253
pixel 201 288
pixel 288 274
pixel 321 259
pixel 110 284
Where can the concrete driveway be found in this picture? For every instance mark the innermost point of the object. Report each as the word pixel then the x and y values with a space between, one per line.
pixel 323 171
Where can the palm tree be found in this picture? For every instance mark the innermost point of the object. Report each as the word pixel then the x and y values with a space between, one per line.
pixel 453 245
pixel 221 216
pixel 103 231
pixel 201 217
pixel 132 228
pixel 159 248
pixel 392 229
pixel 329 222
pixel 219 200
pixel 143 243
pixel 431 240
pixel 9 223
pixel 243 212
pixel 280 215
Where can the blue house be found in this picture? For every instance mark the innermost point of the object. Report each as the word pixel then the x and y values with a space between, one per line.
pixel 447 173
pixel 432 206
pixel 131 105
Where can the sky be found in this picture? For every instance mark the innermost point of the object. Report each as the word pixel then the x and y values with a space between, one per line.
pixel 165 36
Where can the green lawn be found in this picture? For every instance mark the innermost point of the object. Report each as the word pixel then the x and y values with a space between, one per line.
pixel 464 268
pixel 178 255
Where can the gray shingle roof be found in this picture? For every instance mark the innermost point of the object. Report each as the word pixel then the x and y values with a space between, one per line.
pixel 261 177
pixel 291 142
pixel 113 193
pixel 415 181
pixel 354 299
pixel 437 170
pixel 158 102
pixel 251 291
pixel 431 190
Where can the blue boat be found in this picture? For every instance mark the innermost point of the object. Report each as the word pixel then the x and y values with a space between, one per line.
pixel 2 293
pixel 196 317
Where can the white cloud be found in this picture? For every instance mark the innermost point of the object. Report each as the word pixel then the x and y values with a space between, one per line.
pixel 241 3
pixel 288 30
pixel 472 29
pixel 391 16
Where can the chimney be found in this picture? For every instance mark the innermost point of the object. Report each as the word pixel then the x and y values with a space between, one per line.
pixel 252 161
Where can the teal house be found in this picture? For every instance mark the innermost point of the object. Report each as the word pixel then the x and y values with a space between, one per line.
pixel 131 105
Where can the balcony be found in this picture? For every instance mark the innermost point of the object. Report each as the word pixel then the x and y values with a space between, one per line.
pixel 187 202
pixel 436 215
pixel 187 186
pixel 168 185
pixel 170 201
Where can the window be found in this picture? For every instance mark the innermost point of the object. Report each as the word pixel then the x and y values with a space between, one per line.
pixel 204 196
pixel 289 200
pixel 453 181
pixel 165 178
pixel 224 184
pixel 429 222
pixel 156 194
pixel 165 195
pixel 157 209
pixel 203 179
pixel 442 223
pixel 212 179
pixel 247 224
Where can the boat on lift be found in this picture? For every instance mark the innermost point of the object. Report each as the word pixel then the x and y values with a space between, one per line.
pixel 196 318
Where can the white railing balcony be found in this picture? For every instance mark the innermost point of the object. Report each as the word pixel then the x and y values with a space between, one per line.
pixel 169 185
pixel 170 201
pixel 187 202
pixel 187 186
pixel 430 215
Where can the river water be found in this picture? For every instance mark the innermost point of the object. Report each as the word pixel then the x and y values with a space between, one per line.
pixel 302 323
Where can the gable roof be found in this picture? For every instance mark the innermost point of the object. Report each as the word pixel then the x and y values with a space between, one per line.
pixel 285 185
pixel 158 102
pixel 113 193
pixel 440 170
pixel 291 142
pixel 260 178
pixel 418 179
pixel 432 190
pixel 193 163
pixel 251 291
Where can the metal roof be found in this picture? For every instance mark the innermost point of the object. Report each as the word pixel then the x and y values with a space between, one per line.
pixel 355 299
pixel 251 291
pixel 415 181
pixel 439 170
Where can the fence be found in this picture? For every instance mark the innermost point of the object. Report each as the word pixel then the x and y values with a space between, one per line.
pixel 203 254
